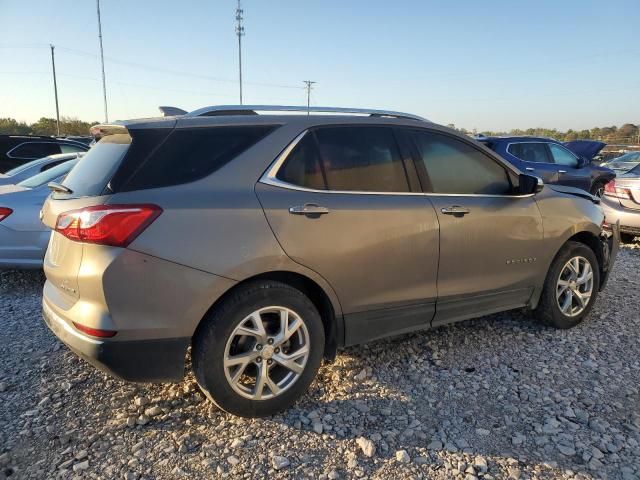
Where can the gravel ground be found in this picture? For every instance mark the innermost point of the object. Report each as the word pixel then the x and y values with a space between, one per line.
pixel 498 397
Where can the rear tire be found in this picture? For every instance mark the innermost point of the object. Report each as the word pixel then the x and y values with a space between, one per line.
pixel 560 305
pixel 597 189
pixel 258 351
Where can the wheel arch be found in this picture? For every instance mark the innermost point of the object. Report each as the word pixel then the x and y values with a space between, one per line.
pixel 326 304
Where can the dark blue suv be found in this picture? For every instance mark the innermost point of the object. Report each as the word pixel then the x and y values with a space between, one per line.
pixel 555 162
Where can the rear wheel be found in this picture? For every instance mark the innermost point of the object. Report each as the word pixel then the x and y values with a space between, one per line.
pixel 571 287
pixel 259 351
pixel 597 189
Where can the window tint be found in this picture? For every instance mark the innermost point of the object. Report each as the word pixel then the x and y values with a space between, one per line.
pixel 562 156
pixel 361 159
pixel 302 166
pixel 23 167
pixel 529 152
pixel 71 148
pixel 453 166
pixel 34 150
pixel 190 154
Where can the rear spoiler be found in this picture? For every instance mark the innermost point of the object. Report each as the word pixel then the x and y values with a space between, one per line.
pixel 171 111
pixel 99 131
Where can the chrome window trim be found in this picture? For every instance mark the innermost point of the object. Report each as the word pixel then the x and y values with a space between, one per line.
pixel 270 178
pixel 71 144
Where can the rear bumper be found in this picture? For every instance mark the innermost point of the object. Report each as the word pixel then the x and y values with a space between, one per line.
pixel 614 212
pixel 160 360
pixel 610 241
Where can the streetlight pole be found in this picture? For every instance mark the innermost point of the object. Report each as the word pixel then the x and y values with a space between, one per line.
pixel 55 89
pixel 104 81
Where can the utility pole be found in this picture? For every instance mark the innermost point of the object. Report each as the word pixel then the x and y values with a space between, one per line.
pixel 55 89
pixel 104 81
pixel 309 86
pixel 240 33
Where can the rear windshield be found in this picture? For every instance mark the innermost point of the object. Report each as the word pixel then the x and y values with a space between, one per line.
pixel 48 175
pixel 92 174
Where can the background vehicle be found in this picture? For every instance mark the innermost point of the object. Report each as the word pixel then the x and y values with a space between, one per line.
pixel 553 161
pixel 16 150
pixel 29 169
pixel 23 237
pixel 621 200
pixel 623 163
pixel 268 241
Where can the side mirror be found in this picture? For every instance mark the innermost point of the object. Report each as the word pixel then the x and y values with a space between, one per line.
pixel 529 184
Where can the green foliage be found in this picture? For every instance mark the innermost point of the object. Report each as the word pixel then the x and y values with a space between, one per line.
pixel 626 134
pixel 45 126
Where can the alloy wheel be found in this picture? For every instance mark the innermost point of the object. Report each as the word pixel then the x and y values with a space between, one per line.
pixel 266 353
pixel 575 286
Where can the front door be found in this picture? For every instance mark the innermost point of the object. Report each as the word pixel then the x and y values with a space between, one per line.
pixel 341 205
pixel 488 236
pixel 569 172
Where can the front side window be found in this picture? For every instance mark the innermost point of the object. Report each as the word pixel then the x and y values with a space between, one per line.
pixel 32 150
pixel 454 167
pixel 529 152
pixel 562 156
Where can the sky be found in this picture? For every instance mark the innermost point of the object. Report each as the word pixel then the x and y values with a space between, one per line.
pixel 492 65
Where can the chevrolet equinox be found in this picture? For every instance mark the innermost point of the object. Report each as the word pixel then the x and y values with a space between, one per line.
pixel 265 240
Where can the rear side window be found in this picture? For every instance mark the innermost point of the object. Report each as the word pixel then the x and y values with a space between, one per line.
pixel 190 154
pixel 353 158
pixel 33 150
pixel 529 152
pixel 562 156
pixel 71 148
pixel 454 167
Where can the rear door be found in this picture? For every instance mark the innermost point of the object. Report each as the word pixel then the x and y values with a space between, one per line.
pixel 489 238
pixel 570 173
pixel 341 204
pixel 536 159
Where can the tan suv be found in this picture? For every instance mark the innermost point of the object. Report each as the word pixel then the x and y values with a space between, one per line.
pixel 268 241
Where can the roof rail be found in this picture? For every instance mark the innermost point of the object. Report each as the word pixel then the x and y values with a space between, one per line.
pixel 254 109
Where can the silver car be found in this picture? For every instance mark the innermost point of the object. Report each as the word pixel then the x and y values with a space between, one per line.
pixel 268 241
pixel 34 167
pixel 621 199
pixel 23 237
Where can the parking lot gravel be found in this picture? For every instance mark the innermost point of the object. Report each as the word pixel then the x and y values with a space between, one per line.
pixel 497 397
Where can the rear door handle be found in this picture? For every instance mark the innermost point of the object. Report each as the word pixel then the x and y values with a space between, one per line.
pixel 562 171
pixel 310 209
pixel 456 211
pixel 530 169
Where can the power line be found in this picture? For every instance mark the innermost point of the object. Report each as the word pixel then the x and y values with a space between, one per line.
pixel 240 33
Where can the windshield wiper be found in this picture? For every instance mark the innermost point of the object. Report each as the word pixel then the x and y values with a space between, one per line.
pixel 56 187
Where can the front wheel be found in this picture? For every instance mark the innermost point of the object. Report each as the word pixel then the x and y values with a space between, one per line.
pixel 597 189
pixel 571 287
pixel 259 350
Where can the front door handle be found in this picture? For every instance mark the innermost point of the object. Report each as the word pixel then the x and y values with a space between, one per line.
pixel 456 211
pixel 310 209
pixel 562 171
pixel 530 169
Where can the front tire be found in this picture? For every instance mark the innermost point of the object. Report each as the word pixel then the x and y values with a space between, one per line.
pixel 597 189
pixel 259 350
pixel 571 287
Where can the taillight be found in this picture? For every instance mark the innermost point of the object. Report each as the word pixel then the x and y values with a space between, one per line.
pixel 611 190
pixel 5 212
pixel 95 332
pixel 113 225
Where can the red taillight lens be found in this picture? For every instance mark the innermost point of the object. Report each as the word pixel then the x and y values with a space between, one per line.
pixel 611 190
pixel 94 332
pixel 114 225
pixel 5 212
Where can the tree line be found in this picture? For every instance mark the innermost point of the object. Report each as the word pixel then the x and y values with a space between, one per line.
pixel 626 134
